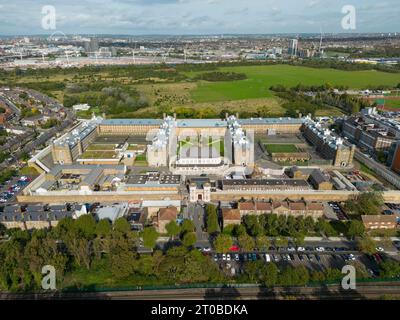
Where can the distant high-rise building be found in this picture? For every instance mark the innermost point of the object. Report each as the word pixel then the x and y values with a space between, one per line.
pixel 293 47
pixel 92 46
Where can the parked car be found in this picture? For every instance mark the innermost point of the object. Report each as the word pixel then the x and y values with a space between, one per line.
pixel 301 249
pixel 320 249
pixel 228 257
pixel 207 249
pixel 237 258
pixel 224 257
pixel 380 249
pixel 267 257
pixel 291 249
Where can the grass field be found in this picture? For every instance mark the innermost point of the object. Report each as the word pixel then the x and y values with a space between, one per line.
pixel 99 155
pixel 261 78
pixel 141 160
pixel 281 148
pixel 101 147
pixel 392 103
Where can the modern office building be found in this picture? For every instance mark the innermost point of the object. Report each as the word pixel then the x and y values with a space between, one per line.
pixel 293 47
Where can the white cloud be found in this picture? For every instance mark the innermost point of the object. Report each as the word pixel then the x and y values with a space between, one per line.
pixel 197 16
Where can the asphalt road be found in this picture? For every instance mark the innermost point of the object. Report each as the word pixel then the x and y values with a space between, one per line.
pixel 196 213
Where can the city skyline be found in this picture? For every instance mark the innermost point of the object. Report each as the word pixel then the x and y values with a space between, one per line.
pixel 196 17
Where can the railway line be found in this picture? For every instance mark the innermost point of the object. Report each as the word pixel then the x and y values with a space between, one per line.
pixel 329 292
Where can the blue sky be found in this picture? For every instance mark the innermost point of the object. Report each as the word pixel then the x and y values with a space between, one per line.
pixel 197 16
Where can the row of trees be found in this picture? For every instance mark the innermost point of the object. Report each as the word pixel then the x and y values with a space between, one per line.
pixel 270 275
pixel 299 102
pixel 221 76
pixel 255 230
pixel 185 231
pixel 85 247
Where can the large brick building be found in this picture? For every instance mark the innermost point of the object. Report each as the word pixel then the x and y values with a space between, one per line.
pixel 328 145
pixel 287 208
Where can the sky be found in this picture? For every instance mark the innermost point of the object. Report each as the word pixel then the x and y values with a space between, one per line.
pixel 147 17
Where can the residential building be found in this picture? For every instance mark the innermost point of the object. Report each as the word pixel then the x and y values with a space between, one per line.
pixel 230 217
pixel 165 216
pixel 379 222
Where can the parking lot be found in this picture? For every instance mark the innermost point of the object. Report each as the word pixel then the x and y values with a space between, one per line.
pixel 308 257
pixel 10 189
pixel 337 209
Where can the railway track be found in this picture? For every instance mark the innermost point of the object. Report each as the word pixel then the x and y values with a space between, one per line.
pixel 334 292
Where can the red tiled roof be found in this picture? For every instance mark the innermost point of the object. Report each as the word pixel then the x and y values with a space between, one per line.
pixel 168 214
pixel 264 206
pixel 231 214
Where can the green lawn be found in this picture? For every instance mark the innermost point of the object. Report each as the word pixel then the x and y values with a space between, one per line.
pixel 261 78
pixel 391 103
pixel 281 148
pixel 101 147
pixel 99 155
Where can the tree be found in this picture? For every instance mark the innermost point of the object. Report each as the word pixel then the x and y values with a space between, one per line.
pixel 246 242
pixel 390 269
pixel 252 270
pixel 122 225
pixel 121 259
pixel 270 276
pixel 150 236
pixel 281 242
pixel 25 156
pixel 318 276
pixel 2 229
pixel 253 226
pixel 223 243
pixel 103 228
pixel 299 239
pixel 229 229
pixel 212 219
pixel 356 229
pixel 366 245
pixel 325 227
pixel 238 230
pixel 187 226
pixel 367 203
pixel 262 242
pixel 333 274
pixel 86 226
pixel 189 239
pixel 172 229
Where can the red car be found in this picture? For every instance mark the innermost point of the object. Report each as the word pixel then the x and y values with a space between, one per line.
pixel 234 249
pixel 378 258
